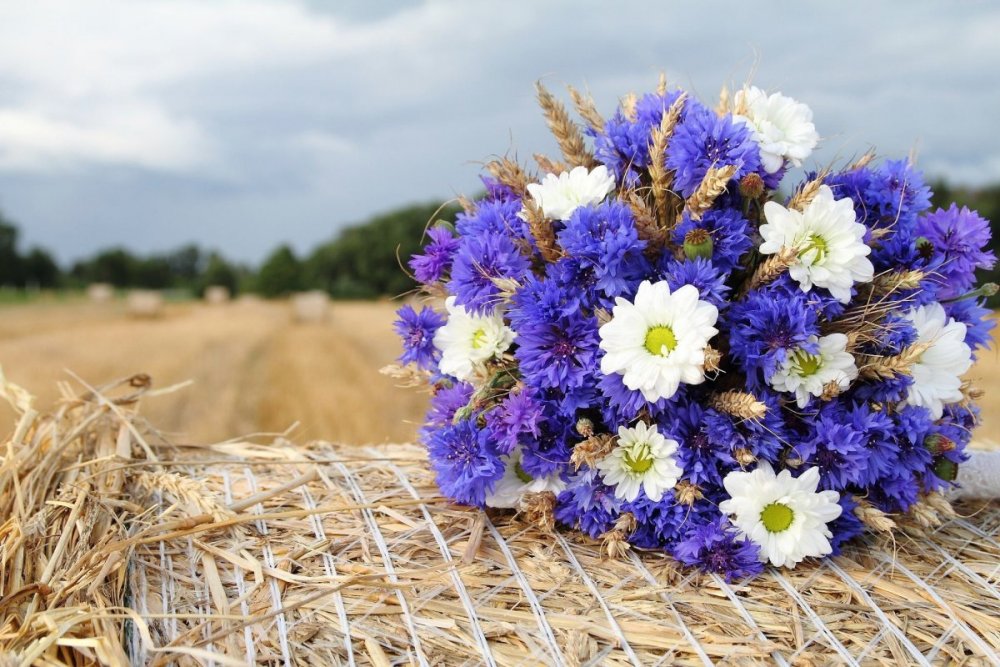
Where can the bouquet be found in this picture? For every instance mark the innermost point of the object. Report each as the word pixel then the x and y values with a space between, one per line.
pixel 651 341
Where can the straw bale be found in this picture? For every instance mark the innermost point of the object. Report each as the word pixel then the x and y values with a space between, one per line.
pixel 217 295
pixel 311 307
pixel 118 547
pixel 144 303
pixel 100 293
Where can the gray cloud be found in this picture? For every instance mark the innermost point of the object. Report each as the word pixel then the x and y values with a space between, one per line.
pixel 243 125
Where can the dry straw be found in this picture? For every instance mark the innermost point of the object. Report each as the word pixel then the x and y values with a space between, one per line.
pixel 118 548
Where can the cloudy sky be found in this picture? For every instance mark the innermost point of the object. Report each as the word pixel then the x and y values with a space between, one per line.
pixel 240 125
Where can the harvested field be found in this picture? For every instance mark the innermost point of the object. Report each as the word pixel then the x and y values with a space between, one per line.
pixel 253 369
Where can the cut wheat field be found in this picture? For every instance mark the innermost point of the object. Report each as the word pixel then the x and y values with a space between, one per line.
pixel 252 369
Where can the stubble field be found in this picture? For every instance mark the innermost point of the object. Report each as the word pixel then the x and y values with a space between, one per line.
pixel 252 369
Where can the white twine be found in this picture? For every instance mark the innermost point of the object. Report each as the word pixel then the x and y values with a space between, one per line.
pixel 271 562
pixel 979 477
pixel 457 583
pixel 241 588
pixel 390 569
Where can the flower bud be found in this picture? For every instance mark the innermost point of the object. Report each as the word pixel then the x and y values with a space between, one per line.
pixel 585 427
pixel 946 469
pixel 698 243
pixel 938 444
pixel 752 186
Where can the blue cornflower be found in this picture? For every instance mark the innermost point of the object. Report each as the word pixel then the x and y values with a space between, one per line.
pixel 706 442
pixel 832 444
pixel 448 400
pixel 704 140
pixel 623 146
pixel 978 320
pixel 701 273
pixel 497 217
pixel 466 461
pixel 766 327
pixel 435 263
pixel 482 261
pixel 417 332
pixel 558 354
pixel 716 547
pixel 604 239
pixel 517 416
pixel 957 237
pixel 588 504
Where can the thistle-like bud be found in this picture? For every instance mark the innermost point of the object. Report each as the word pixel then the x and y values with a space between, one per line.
pixel 585 427
pixel 938 444
pixel 752 186
pixel 946 469
pixel 924 247
pixel 698 243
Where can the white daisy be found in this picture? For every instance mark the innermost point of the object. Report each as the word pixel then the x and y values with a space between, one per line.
pixel 642 458
pixel 558 196
pixel 468 341
pixel 784 515
pixel 937 374
pixel 782 127
pixel 516 482
pixel 807 374
pixel 659 341
pixel 829 241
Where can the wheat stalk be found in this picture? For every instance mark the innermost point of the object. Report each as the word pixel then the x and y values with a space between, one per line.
pixel 905 279
pixel 628 105
pixel 661 177
pixel 805 194
pixel 872 516
pixel 592 450
pixel 509 173
pixel 739 404
pixel 538 509
pixel 885 368
pixel 548 165
pixel 566 132
pixel 712 185
pixel 542 231
pixel 646 224
pixel 587 109
pixel 770 269
pixel 713 360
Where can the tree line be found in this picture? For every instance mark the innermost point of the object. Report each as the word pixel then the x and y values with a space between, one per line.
pixel 362 261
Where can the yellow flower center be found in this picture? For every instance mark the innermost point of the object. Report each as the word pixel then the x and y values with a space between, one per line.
pixel 806 364
pixel 659 338
pixel 521 475
pixel 816 244
pixel 638 458
pixel 478 339
pixel 777 517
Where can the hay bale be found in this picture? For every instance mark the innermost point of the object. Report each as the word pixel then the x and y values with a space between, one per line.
pixel 144 304
pixel 275 553
pixel 217 295
pixel 311 307
pixel 100 293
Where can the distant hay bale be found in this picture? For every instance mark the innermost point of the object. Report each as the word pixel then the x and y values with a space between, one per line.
pixel 311 307
pixel 216 295
pixel 123 551
pixel 144 304
pixel 100 293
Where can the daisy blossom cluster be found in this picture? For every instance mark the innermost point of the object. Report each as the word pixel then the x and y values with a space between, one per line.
pixel 646 340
